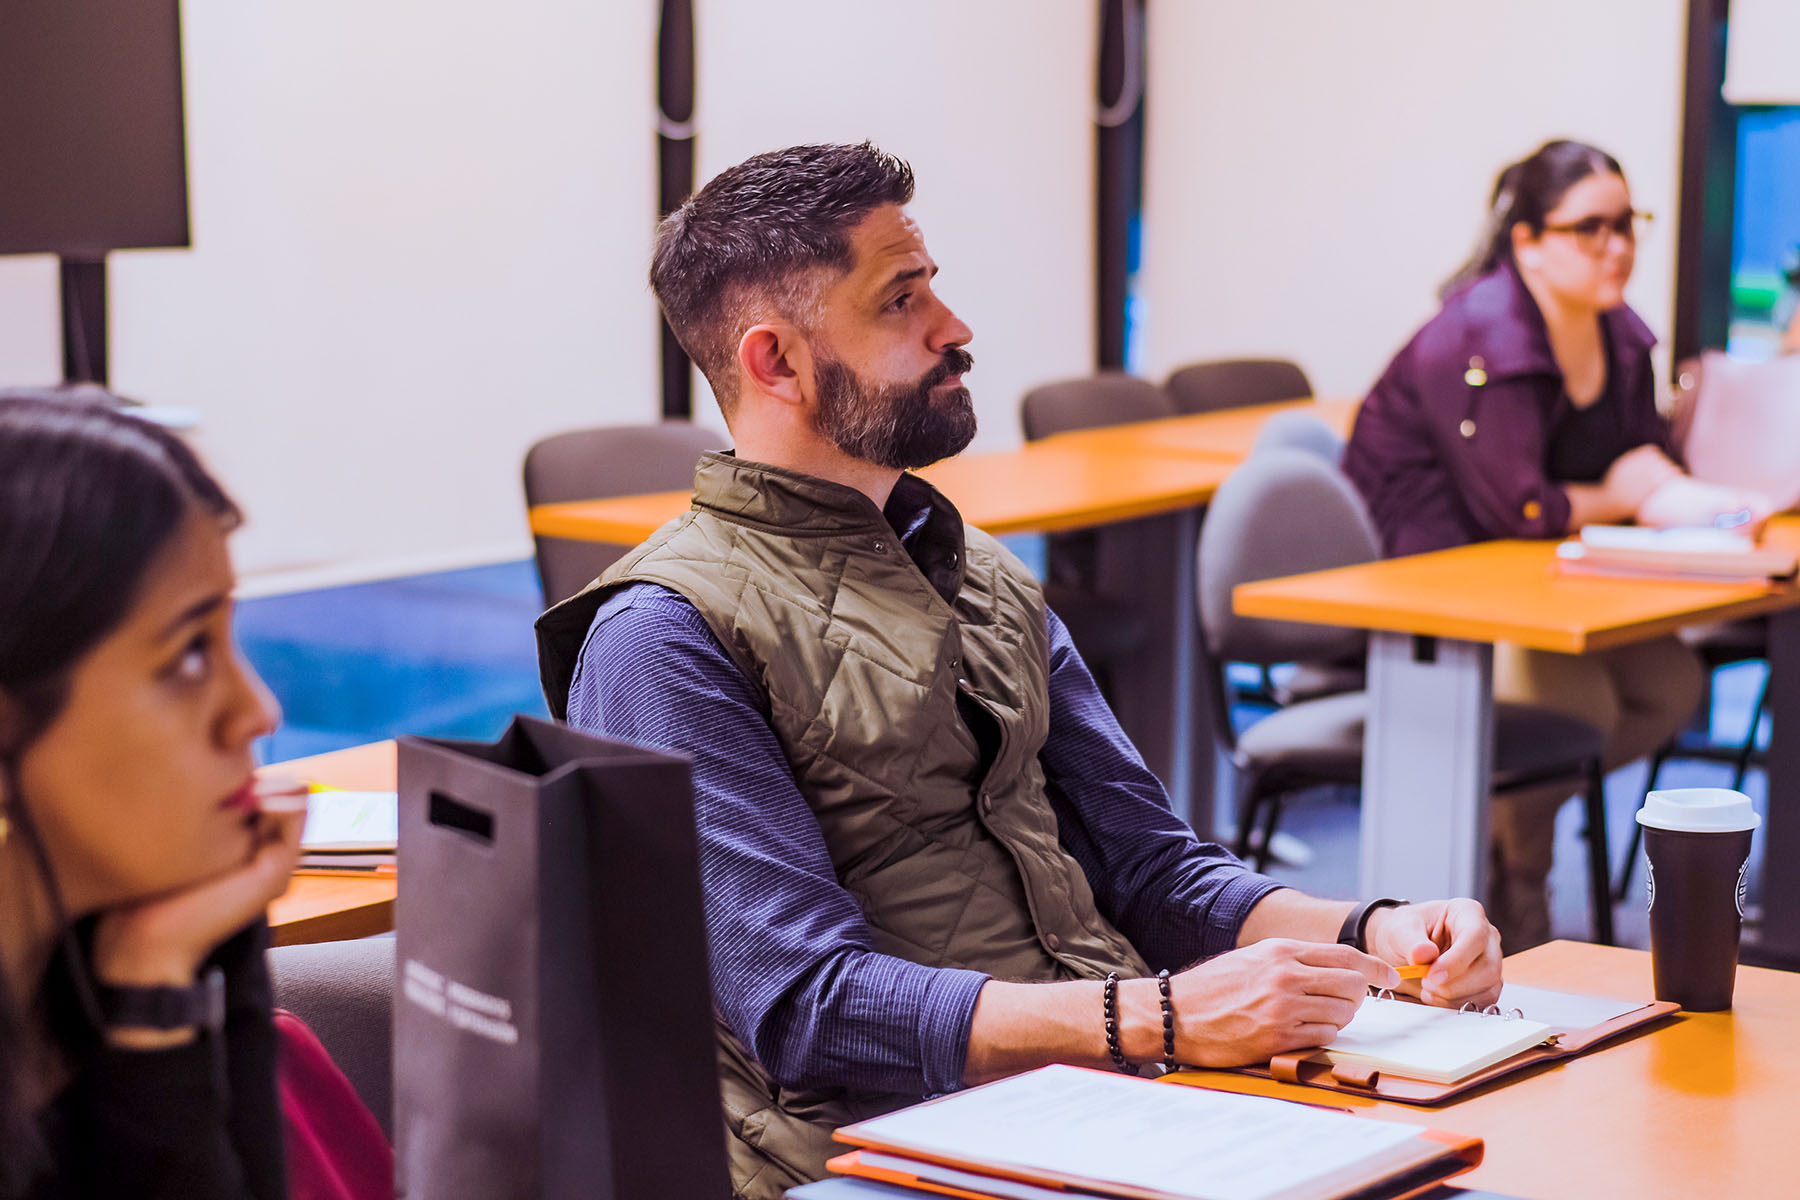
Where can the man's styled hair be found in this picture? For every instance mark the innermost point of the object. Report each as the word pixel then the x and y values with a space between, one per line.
pixel 757 241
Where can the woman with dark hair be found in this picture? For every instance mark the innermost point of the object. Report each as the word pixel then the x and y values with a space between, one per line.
pixel 137 855
pixel 1526 409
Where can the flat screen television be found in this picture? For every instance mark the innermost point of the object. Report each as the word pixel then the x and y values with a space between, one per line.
pixel 92 155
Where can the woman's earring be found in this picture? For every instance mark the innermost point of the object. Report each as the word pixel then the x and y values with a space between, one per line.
pixel 1531 260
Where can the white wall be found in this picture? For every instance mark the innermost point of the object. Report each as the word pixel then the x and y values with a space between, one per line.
pixel 420 230
pixel 1317 167
pixel 992 104
pixel 1762 55
pixel 30 335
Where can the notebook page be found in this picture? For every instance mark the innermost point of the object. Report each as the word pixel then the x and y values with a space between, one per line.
pixel 1437 1044
pixel 1563 1010
pixel 1185 1142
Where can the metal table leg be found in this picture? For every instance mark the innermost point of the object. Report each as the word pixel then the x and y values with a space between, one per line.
pixel 1427 750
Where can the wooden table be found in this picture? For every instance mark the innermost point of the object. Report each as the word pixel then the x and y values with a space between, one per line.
pixel 1699 1105
pixel 1434 619
pixel 1146 482
pixel 329 908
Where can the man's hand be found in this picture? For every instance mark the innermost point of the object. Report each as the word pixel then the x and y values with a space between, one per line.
pixel 1266 999
pixel 1454 936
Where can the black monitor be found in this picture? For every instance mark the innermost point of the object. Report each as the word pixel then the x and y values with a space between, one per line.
pixel 92 156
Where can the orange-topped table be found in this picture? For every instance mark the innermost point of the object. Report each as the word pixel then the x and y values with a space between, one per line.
pixel 1698 1105
pixel 329 908
pixel 1433 620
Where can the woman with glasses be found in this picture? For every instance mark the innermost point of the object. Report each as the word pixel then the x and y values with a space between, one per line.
pixel 1526 408
pixel 137 854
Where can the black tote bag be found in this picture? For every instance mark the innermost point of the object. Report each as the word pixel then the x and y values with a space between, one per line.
pixel 553 1030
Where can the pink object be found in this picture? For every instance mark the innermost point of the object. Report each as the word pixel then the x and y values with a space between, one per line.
pixel 1745 431
pixel 335 1148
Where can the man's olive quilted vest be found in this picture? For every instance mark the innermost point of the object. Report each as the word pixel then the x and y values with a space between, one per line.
pixel 859 653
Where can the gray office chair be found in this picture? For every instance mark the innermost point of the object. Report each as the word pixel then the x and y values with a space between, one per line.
pixel 344 991
pixel 1235 382
pixel 1309 680
pixel 1285 512
pixel 1103 629
pixel 1108 398
pixel 588 464
pixel 1299 430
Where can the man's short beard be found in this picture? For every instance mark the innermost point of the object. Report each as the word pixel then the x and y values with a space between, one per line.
pixel 896 425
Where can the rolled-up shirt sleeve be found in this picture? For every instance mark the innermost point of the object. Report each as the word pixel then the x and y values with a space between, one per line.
pixel 792 970
pixel 1176 898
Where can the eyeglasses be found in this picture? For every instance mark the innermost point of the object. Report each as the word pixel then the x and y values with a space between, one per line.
pixel 1593 234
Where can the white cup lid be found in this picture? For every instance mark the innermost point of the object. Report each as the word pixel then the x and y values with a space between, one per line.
pixel 1698 810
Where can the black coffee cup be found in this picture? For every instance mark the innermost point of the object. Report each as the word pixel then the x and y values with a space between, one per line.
pixel 1697 844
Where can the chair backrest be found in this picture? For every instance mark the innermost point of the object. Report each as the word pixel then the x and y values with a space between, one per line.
pixel 1284 512
pixel 1295 430
pixel 588 464
pixel 1235 382
pixel 1109 398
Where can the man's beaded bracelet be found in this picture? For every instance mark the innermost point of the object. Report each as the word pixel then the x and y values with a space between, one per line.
pixel 1109 1008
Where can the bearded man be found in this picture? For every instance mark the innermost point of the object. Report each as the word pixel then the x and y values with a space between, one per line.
pixel 925 842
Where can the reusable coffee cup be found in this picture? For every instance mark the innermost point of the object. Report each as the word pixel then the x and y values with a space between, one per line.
pixel 1697 844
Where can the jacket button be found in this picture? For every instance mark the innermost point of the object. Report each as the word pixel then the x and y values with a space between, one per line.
pixel 987 804
pixel 1052 941
pixel 956 662
pixel 1467 428
pixel 880 546
pixel 1533 510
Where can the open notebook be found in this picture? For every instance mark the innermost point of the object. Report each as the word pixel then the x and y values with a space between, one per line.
pixel 1441 1045
pixel 1403 1050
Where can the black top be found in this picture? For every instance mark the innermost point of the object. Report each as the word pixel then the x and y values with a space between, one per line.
pixel 1584 442
pixel 196 1122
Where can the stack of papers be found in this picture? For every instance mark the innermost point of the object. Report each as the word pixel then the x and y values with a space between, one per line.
pixel 1040 1134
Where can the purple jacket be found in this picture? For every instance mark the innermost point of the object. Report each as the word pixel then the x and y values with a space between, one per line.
pixel 1451 445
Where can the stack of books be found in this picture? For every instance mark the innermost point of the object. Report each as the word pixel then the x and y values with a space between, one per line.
pixel 1711 555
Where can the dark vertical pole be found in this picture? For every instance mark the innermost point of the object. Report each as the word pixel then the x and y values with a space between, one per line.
pixel 675 170
pixel 1708 188
pixel 83 289
pixel 1119 170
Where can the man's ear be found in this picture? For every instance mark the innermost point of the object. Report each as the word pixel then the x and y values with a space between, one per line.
pixel 774 360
